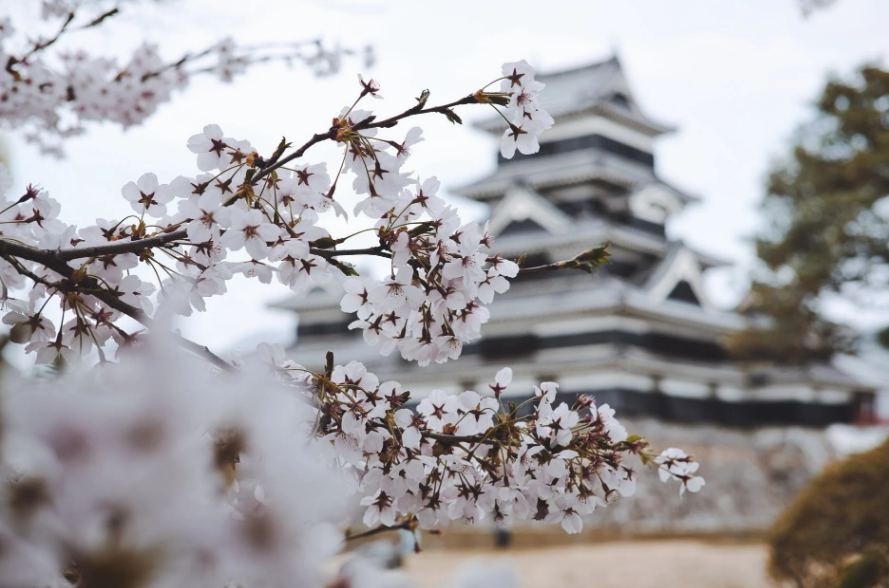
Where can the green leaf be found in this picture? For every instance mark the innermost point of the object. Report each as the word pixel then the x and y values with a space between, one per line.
pixel 883 337
pixel 421 228
pixel 421 101
pixel 590 260
pixel 282 147
pixel 521 260
pixel 452 116
pixel 346 268
pixel 325 243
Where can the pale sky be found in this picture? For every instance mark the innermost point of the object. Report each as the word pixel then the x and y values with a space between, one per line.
pixel 735 77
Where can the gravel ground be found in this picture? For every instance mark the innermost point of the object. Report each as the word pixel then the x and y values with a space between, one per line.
pixel 631 564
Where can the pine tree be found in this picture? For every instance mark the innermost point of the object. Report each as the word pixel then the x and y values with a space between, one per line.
pixel 829 225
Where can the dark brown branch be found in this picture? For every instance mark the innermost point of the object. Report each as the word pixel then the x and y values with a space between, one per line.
pixel 413 111
pixel 91 286
pixel 44 257
pixel 15 263
pixel 101 18
pixel 381 529
pixel 329 253
pixel 41 45
pixel 445 438
pixel 273 165
pixel 139 316
pixel 117 247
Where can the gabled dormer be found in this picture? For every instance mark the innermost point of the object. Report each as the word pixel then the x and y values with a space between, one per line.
pixel 657 202
pixel 522 210
pixel 678 277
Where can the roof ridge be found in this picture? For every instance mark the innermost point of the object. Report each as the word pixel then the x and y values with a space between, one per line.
pixel 573 70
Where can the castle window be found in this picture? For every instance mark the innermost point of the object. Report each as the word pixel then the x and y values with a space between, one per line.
pixel 683 292
pixel 621 100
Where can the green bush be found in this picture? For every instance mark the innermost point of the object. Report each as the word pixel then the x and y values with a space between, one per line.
pixel 835 533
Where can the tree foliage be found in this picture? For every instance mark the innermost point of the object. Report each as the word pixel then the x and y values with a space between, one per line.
pixel 829 232
pixel 836 531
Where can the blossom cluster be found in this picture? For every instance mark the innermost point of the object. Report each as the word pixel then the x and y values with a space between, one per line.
pixel 430 308
pixel 525 116
pixel 253 215
pixel 53 94
pixel 470 456
pixel 135 477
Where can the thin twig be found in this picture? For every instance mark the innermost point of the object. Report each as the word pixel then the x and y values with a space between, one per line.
pixel 445 438
pixel 380 529
pixel 413 111
pixel 378 251
pixel 369 123
pixel 539 268
pixel 41 45
pixel 116 247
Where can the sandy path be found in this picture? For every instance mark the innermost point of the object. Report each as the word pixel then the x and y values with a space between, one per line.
pixel 646 564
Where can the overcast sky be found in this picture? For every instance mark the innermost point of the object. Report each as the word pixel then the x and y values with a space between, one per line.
pixel 735 78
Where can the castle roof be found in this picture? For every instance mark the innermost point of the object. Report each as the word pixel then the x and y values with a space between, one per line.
pixel 599 88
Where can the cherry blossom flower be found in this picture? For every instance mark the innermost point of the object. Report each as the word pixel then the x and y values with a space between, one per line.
pixel 207 215
pixel 132 290
pixel 210 147
pixel 147 195
pixel 356 298
pixel 251 230
pixel 676 464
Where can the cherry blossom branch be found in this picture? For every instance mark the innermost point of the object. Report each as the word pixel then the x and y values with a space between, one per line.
pixel 91 286
pixel 47 257
pixel 40 45
pixel 441 263
pixel 117 247
pixel 93 89
pixel 445 109
pixel 274 163
pixel 368 123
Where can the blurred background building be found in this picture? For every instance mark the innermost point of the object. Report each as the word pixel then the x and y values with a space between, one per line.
pixel 640 335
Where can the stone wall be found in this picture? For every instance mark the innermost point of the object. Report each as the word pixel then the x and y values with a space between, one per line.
pixel 751 475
